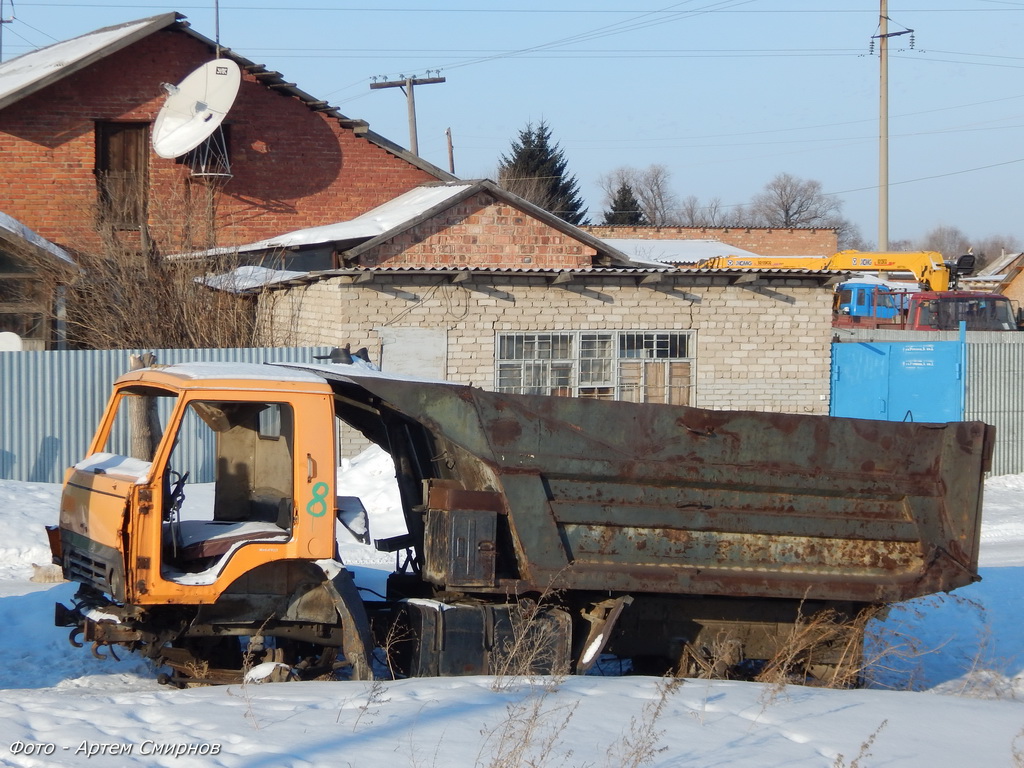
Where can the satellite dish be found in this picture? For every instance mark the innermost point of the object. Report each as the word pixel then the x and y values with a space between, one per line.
pixel 195 108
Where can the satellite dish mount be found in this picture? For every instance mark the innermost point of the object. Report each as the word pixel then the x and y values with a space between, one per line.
pixel 190 123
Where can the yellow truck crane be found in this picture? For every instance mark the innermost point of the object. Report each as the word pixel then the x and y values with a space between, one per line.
pixel 933 304
pixel 201 527
pixel 928 267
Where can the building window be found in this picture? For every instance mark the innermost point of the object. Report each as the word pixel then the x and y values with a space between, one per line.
pixel 24 307
pixel 122 155
pixel 637 366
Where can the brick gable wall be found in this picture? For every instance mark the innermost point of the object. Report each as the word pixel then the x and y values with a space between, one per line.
pixel 763 241
pixel 293 168
pixel 481 231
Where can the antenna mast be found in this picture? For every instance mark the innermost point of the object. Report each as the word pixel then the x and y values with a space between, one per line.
pixel 216 25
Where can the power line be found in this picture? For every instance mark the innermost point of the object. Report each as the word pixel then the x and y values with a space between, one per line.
pixel 508 11
pixel 929 178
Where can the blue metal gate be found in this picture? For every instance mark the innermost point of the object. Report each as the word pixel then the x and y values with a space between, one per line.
pixel 899 381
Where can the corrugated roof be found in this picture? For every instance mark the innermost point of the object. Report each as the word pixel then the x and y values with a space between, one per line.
pixel 256 279
pixel 245 280
pixel 33 71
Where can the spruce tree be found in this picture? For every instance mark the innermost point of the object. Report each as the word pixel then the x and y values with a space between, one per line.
pixel 625 209
pixel 535 169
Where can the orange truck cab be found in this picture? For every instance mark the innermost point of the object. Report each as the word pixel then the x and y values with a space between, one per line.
pixel 198 489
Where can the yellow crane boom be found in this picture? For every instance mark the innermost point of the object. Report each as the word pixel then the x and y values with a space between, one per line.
pixel 928 267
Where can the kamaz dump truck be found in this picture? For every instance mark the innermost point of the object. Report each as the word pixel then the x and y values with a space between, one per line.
pixel 201 527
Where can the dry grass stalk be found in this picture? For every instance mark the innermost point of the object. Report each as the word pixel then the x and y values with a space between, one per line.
pixel 533 648
pixel 639 745
pixel 865 750
pixel 529 736
pixel 826 648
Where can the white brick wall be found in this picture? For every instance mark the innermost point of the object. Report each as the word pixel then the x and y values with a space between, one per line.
pixel 760 346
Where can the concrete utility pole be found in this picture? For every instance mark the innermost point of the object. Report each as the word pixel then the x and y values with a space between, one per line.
pixel 407 86
pixel 883 120
pixel 883 127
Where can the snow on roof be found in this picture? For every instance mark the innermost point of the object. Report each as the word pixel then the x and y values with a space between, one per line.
pixel 246 371
pixel 112 464
pixel 246 278
pixel 32 69
pixel 661 252
pixel 910 286
pixel 14 227
pixel 352 372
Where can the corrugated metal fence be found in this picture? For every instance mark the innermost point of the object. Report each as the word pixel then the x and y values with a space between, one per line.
pixel 995 395
pixel 50 402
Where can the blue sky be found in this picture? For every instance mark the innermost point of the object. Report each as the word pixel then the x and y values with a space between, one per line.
pixel 725 93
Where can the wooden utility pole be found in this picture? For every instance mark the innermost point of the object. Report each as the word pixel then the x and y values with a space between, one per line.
pixel 451 151
pixel 407 86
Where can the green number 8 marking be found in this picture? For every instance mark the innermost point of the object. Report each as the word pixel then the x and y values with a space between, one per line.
pixel 318 506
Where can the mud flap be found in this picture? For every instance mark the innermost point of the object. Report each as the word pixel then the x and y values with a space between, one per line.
pixel 355 624
pixel 602 621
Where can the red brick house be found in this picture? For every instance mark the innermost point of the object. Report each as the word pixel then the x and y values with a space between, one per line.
pixel 76 163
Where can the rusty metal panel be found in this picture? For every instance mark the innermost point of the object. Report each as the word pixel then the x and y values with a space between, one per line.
pixel 670 499
pixel 460 547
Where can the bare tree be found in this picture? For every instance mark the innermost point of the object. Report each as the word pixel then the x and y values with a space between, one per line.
pixel 713 213
pixel 652 187
pixel 947 240
pixel 848 236
pixel 691 212
pixel 990 248
pixel 897 245
pixel 656 197
pixel 126 293
pixel 787 201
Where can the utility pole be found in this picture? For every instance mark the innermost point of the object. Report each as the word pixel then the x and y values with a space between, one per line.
pixel 407 84
pixel 883 120
pixel 451 151
pixel 883 127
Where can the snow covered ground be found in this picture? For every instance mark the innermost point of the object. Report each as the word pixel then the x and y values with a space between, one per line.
pixel 958 698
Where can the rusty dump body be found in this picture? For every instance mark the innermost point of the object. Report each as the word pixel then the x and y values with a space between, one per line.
pixel 599 495
pixel 653 532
